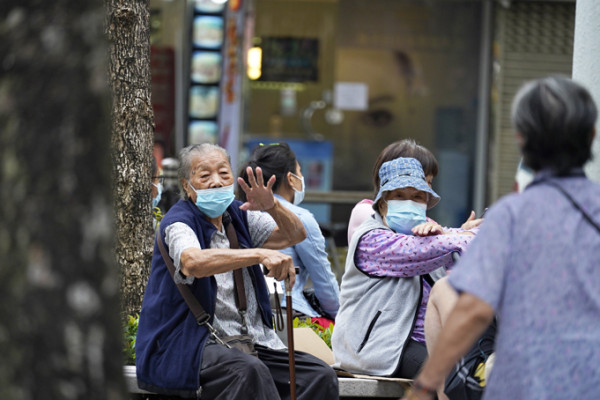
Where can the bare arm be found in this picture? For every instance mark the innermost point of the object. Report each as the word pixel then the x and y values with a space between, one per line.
pixel 465 324
pixel 289 230
pixel 201 263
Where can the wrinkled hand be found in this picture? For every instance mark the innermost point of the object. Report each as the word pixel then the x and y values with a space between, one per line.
pixel 280 265
pixel 416 393
pixel 471 222
pixel 259 197
pixel 410 395
pixel 428 228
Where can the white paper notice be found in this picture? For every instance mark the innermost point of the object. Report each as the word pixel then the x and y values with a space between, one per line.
pixel 351 96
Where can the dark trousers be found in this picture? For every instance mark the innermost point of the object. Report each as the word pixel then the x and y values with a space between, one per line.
pixel 231 374
pixel 413 358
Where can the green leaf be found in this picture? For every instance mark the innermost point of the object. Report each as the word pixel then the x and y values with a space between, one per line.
pixel 130 336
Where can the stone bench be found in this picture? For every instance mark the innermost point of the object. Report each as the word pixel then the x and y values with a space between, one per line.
pixel 349 387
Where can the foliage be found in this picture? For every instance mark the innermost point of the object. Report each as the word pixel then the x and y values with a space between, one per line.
pixel 323 332
pixel 130 335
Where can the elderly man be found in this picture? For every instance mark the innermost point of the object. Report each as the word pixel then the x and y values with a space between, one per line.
pixel 175 355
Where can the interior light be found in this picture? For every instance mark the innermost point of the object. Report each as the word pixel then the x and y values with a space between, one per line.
pixel 254 62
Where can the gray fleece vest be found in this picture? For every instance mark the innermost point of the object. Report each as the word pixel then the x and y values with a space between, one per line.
pixel 376 314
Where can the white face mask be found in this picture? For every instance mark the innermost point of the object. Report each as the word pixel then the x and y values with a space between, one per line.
pixel 159 189
pixel 403 215
pixel 298 194
pixel 213 202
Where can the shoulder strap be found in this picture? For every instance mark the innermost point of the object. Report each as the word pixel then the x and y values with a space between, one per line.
pixel 201 316
pixel 575 204
pixel 237 273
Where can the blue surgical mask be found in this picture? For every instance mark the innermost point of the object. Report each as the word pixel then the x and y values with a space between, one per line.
pixel 156 200
pixel 299 194
pixel 213 202
pixel 403 215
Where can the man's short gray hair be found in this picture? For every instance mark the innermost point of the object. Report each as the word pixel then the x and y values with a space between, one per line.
pixel 187 153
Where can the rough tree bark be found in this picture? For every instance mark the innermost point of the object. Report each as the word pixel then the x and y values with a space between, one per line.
pixel 128 31
pixel 60 332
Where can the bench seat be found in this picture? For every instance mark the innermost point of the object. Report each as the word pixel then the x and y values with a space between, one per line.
pixel 349 387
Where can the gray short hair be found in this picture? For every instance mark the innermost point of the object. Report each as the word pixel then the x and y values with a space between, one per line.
pixel 187 153
pixel 556 118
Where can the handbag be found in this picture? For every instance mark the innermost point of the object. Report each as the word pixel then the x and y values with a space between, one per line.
pixel 467 379
pixel 313 301
pixel 242 342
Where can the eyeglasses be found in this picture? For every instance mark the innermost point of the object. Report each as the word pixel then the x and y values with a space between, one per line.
pixel 161 179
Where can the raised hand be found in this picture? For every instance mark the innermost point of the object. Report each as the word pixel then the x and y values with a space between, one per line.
pixel 259 197
pixel 471 222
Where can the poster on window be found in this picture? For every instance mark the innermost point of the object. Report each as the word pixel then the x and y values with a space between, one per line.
pixel 202 132
pixel 208 32
pixel 204 101
pixel 208 6
pixel 206 67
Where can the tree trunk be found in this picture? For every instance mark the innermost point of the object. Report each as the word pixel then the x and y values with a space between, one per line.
pixel 60 333
pixel 128 30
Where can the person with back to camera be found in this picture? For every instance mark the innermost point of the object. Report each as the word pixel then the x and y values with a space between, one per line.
pixel 309 255
pixel 394 257
pixel 175 355
pixel 535 262
pixel 402 148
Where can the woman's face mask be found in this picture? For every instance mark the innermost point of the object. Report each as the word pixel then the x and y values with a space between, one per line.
pixel 159 189
pixel 403 215
pixel 298 194
pixel 213 202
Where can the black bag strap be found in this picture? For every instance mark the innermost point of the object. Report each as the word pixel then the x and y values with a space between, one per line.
pixel 575 204
pixel 238 276
pixel 237 273
pixel 200 314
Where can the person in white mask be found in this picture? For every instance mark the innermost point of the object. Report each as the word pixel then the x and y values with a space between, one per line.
pixel 321 299
pixel 393 260
pixel 156 193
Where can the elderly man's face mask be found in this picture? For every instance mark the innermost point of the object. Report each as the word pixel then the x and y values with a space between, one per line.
pixel 214 202
pixel 211 183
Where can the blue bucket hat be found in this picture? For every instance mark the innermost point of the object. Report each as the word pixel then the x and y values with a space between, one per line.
pixel 401 173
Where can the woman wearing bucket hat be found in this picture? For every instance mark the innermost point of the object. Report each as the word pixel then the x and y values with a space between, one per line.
pixel 401 148
pixel 393 259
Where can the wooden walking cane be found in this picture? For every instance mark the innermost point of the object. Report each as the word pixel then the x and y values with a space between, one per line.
pixel 290 337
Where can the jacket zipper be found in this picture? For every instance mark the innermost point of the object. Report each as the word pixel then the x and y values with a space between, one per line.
pixel 371 325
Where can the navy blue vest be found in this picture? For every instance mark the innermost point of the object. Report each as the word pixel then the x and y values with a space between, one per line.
pixel 169 342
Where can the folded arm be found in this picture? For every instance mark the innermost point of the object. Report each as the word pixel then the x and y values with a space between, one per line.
pixel 382 252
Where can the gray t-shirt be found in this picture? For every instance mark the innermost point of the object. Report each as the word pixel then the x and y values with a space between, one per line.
pixel 227 320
